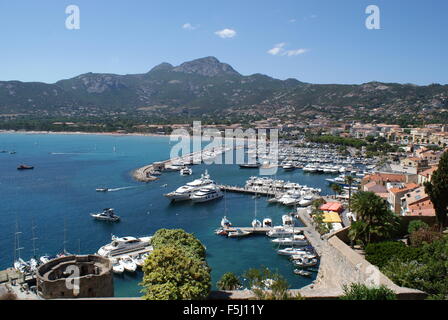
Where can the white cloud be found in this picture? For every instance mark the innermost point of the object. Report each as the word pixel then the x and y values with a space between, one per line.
pixel 278 48
pixel 295 52
pixel 292 20
pixel 226 33
pixel 189 26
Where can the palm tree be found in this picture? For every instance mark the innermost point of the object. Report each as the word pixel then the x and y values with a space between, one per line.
pixel 337 189
pixel 349 180
pixel 374 218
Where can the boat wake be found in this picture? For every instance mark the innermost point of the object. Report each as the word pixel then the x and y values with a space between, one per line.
pixel 119 189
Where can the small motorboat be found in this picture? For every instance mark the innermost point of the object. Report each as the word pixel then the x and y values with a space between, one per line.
pixel 24 167
pixel 128 264
pixel 117 267
pixel 305 262
pixel 186 171
pixel 102 189
pixel 302 273
pixel 221 232
pixel 140 259
pixel 267 222
pixel 305 254
pixel 256 223
pixel 238 233
pixel 298 240
pixel 108 214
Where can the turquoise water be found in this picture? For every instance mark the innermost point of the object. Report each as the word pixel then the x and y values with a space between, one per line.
pixel 61 190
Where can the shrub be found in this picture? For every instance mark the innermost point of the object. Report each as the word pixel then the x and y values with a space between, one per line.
pixel 415 225
pixel 178 238
pixel 357 291
pixel 229 281
pixel 381 253
pixel 424 235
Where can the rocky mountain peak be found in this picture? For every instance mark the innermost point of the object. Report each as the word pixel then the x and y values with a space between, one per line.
pixel 208 66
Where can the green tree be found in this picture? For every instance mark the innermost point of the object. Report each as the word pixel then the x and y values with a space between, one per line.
pixel 178 238
pixel 415 225
pixel 267 285
pixel 170 273
pixel 229 281
pixel 357 291
pixel 337 189
pixel 437 189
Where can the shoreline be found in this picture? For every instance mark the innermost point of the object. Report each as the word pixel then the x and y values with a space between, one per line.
pixel 83 133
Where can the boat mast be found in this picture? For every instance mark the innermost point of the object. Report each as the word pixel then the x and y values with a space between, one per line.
pixel 18 248
pixel 34 239
pixel 65 235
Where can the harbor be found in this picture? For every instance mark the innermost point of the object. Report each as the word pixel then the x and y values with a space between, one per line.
pixel 142 208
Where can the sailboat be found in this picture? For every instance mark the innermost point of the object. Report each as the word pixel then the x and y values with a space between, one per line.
pixel 34 263
pixel 19 264
pixel 256 223
pixel 64 253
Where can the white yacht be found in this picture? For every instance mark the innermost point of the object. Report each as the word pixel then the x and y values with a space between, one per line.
pixel 108 214
pixel 296 240
pixel 290 198
pixel 288 166
pixel 128 264
pixel 184 192
pixel 290 251
pixel 125 245
pixel 140 259
pixel 281 232
pixel 206 193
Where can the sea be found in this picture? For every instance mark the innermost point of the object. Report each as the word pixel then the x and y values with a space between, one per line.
pixel 52 203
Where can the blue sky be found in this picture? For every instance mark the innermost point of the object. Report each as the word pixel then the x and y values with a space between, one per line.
pixel 319 41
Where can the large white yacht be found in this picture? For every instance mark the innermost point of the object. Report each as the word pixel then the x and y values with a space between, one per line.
pixel 207 193
pixel 186 191
pixel 125 245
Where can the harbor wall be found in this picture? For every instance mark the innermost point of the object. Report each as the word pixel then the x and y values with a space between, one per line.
pixel 341 265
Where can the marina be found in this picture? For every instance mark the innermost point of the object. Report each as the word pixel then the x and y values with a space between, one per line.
pixel 142 207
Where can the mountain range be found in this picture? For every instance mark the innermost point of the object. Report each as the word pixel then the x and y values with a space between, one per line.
pixel 208 87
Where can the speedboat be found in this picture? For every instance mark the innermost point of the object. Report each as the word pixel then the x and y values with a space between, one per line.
pixel 128 264
pixel 225 223
pixel 305 254
pixel 267 222
pixel 108 214
pixel 184 192
pixel 102 189
pixel 24 167
pixel 124 245
pixel 238 233
pixel 290 251
pixel 221 232
pixel 117 267
pixel 298 240
pixel 256 223
pixel 186 171
pixel 207 193
pixel 290 198
pixel 302 273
